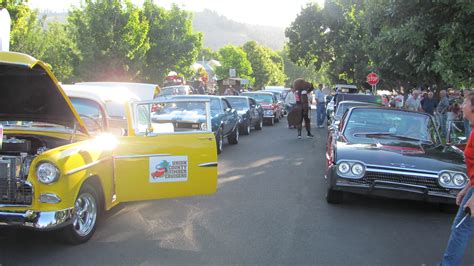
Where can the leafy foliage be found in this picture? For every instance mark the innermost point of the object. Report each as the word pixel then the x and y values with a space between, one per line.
pixel 267 65
pixel 173 44
pixel 112 38
pixel 408 43
pixel 231 56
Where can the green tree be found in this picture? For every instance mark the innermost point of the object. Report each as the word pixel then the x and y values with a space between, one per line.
pixel 60 52
pixel 207 54
pixel 26 31
pixel 332 37
pixel 112 38
pixel 294 71
pixel 173 44
pixel 267 65
pixel 231 56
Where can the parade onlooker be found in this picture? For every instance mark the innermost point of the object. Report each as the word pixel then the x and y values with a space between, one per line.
pixel 413 103
pixel 399 101
pixel 467 124
pixel 461 234
pixel 442 110
pixel 290 100
pixel 429 103
pixel 320 106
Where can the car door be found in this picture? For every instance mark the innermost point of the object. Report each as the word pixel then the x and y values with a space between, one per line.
pixel 253 111
pixel 158 161
pixel 228 120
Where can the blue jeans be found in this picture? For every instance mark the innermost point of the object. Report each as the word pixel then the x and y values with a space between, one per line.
pixel 459 238
pixel 467 128
pixel 442 122
pixel 320 113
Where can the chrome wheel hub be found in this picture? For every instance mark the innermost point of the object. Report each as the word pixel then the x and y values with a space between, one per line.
pixel 86 214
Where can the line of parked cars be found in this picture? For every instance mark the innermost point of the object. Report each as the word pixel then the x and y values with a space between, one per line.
pixel 68 153
pixel 388 152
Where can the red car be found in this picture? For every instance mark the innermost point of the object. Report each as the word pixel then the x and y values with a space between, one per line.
pixel 272 110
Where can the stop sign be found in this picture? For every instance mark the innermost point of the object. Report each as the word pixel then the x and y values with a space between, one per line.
pixel 372 79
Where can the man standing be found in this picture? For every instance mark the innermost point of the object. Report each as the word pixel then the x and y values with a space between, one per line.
pixel 442 110
pixel 290 102
pixel 429 104
pixel 320 106
pixel 413 102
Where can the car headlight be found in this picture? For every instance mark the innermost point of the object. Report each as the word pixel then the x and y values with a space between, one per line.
pixel 454 180
pixel 204 126
pixel 445 178
pixel 459 180
pixel 357 169
pixel 47 173
pixel 344 168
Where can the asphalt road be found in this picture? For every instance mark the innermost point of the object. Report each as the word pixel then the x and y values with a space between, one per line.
pixel 269 209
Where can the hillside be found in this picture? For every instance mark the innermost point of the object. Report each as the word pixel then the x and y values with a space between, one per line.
pixel 219 30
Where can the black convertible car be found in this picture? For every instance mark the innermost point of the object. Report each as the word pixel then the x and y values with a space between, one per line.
pixel 250 112
pixel 392 153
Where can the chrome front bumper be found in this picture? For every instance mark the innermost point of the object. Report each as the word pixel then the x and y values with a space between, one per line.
pixel 42 221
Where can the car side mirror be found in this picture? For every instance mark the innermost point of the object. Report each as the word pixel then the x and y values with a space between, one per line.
pixel 228 110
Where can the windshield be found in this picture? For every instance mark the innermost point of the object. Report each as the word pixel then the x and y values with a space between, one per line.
pixel 169 117
pixel 238 103
pixel 376 125
pixel 90 112
pixel 343 107
pixel 261 98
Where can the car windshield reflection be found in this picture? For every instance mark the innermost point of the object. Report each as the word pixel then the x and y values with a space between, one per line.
pixel 377 125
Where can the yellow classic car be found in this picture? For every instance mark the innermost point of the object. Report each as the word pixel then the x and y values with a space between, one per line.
pixel 59 171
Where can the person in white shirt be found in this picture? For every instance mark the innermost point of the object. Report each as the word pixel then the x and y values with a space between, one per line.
pixel 290 100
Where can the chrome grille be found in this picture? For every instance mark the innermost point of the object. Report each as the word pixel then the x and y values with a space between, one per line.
pixel 430 183
pixel 13 191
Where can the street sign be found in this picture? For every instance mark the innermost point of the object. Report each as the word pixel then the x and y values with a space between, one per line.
pixel 232 73
pixel 372 79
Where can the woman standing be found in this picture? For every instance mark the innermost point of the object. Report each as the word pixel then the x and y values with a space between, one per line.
pixel 465 199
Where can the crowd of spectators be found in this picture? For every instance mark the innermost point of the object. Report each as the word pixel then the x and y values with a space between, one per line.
pixel 445 108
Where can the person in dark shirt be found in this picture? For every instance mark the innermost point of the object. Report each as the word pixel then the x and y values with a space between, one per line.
pixel 429 103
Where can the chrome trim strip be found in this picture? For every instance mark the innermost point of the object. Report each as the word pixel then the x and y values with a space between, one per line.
pixel 37 220
pixel 401 168
pixel 373 170
pixel 208 164
pixel 84 167
pixel 140 156
pixel 398 184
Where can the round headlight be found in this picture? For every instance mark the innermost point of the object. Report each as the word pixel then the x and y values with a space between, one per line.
pixel 358 169
pixel 459 180
pixel 47 173
pixel 204 126
pixel 445 178
pixel 344 168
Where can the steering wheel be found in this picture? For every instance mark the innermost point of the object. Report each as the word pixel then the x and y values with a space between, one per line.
pixel 94 121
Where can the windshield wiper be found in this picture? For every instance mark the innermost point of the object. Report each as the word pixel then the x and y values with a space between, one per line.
pixel 381 134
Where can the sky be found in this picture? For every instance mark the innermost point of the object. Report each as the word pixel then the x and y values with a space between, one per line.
pixel 278 13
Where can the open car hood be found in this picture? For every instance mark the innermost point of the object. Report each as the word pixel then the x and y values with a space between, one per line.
pixel 30 92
